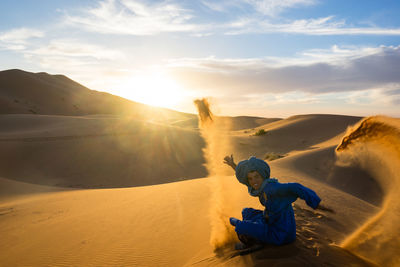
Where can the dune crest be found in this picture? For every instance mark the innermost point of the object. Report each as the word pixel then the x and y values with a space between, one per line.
pixel 374 144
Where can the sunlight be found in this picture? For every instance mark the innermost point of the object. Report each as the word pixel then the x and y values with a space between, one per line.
pixel 154 88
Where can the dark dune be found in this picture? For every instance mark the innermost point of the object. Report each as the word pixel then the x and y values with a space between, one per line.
pixel 87 152
pixel 24 92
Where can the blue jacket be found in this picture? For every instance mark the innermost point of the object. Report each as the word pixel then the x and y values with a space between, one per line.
pixel 280 227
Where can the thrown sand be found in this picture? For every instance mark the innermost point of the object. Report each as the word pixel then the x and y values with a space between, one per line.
pixel 59 205
pixel 169 224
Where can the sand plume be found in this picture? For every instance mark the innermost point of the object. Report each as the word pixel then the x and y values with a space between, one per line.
pixel 205 114
pixel 216 146
pixel 374 144
pixel 99 227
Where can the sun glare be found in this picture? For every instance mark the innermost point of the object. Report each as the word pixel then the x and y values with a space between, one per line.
pixel 153 88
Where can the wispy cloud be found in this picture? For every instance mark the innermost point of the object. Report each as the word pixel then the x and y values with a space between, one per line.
pixel 314 26
pixel 76 49
pixel 269 8
pixel 263 17
pixel 294 98
pixel 135 18
pixel 336 70
pixel 336 55
pixel 76 58
pixel 386 95
pixel 274 7
pixel 222 6
pixel 17 39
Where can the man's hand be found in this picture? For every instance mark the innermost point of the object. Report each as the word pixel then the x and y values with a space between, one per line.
pixel 228 160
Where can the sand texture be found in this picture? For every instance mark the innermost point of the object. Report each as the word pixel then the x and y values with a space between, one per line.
pixel 113 188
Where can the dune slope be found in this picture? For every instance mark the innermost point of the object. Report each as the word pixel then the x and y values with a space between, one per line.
pixel 97 151
pixel 374 145
pixel 23 92
pixel 161 225
pixel 167 224
pixel 292 134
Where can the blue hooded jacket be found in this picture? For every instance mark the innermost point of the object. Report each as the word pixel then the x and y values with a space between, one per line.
pixel 276 225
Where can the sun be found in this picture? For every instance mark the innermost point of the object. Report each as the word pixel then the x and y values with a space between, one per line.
pixel 154 88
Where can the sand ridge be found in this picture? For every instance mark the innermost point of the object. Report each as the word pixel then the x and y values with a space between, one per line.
pixel 120 226
pixel 117 188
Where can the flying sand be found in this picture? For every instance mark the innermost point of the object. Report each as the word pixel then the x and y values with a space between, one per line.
pixel 48 218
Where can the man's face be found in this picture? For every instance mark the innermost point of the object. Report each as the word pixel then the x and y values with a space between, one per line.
pixel 255 179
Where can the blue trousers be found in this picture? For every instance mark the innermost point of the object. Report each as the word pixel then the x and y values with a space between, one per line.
pixel 251 219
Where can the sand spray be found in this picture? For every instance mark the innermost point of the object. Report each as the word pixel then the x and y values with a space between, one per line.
pixel 217 145
pixel 374 145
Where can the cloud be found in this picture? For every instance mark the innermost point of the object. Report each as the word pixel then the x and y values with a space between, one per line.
pixel 221 6
pixel 141 18
pixel 17 39
pixel 270 8
pixel 73 57
pixel 295 98
pixel 130 17
pixel 386 95
pixel 337 70
pixel 76 49
pixel 264 17
pixel 274 7
pixel 313 26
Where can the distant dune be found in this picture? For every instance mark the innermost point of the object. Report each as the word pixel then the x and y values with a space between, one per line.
pixel 303 132
pixel 24 92
pixel 229 123
pixel 112 151
pixel 64 150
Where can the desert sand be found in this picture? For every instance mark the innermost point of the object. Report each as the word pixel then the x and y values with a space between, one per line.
pixel 116 189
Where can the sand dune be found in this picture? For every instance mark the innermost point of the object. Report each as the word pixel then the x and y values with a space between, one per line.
pixel 23 92
pixel 12 189
pixel 166 224
pixel 163 225
pixel 320 163
pixel 292 134
pixel 50 217
pixel 97 151
pixel 142 226
pixel 374 145
pixel 32 141
pixel 228 123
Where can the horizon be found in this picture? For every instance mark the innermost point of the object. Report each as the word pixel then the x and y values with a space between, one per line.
pixel 252 58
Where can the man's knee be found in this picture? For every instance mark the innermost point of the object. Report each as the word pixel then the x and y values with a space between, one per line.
pixel 247 212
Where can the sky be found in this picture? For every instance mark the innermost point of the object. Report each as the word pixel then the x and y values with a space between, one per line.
pixel 268 58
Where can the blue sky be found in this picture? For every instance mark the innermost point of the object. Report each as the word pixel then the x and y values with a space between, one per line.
pixel 267 58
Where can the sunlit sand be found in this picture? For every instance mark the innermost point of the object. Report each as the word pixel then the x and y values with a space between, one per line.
pixel 140 190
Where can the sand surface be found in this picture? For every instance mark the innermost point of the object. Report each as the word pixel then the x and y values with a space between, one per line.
pixel 136 188
pixel 163 224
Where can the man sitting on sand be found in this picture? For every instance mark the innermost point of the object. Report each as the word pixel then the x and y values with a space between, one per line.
pixel 276 225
